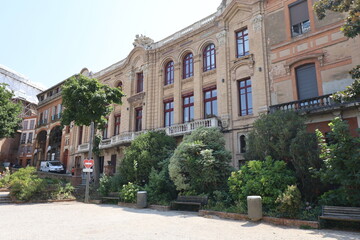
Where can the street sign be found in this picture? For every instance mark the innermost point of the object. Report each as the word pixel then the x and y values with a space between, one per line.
pixel 88 170
pixel 88 163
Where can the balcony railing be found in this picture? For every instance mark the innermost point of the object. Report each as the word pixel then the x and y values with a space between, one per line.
pixel 42 122
pixel 55 117
pixel 83 148
pixel 175 130
pixel 310 104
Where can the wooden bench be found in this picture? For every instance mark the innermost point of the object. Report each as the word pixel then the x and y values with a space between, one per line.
pixel 340 213
pixel 111 196
pixel 196 201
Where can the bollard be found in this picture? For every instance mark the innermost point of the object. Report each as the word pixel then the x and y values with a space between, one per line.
pixel 254 208
pixel 141 200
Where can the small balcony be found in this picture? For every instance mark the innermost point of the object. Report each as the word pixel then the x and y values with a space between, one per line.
pixel 175 130
pixel 55 117
pixel 83 148
pixel 316 104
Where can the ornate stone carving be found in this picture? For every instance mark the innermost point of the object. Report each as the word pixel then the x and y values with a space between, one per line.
pixel 256 22
pixel 137 97
pixel 143 41
pixel 221 37
pixel 225 121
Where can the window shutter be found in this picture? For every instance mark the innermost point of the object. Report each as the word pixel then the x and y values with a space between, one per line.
pixel 298 12
pixel 306 82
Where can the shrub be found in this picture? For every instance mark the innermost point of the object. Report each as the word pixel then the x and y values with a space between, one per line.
pixel 128 192
pixel 200 163
pixel 5 180
pixel 24 184
pixel 282 135
pixel 160 188
pixel 145 153
pixel 289 202
pixel 105 185
pixel 267 178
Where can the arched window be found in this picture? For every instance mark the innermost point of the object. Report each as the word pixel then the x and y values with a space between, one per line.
pixel 169 73
pixel 209 57
pixel 188 66
pixel 119 85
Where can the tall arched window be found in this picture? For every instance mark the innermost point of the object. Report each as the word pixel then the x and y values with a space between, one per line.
pixel 169 73
pixel 209 57
pixel 188 66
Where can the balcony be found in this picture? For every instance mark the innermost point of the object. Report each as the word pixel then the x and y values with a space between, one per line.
pixel 83 148
pixel 55 117
pixel 321 103
pixel 42 122
pixel 175 130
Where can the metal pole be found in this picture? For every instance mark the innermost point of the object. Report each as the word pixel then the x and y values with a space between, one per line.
pixel 90 157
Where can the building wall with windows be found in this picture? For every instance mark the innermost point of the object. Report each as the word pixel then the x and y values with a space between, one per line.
pixel 309 59
pixel 211 73
pixel 27 137
pixel 248 58
pixel 50 137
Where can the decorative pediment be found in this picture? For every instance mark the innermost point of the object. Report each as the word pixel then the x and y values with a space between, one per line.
pixel 319 56
pixel 143 41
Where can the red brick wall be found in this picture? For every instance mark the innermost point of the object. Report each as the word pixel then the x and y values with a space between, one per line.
pixel 324 126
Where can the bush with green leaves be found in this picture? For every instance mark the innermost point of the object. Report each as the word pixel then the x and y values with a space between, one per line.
pixel 145 153
pixel 160 189
pixel 341 165
pixel 268 179
pixel 105 185
pixel 25 184
pixel 201 164
pixel 128 192
pixel 282 135
pixel 5 180
pixel 289 202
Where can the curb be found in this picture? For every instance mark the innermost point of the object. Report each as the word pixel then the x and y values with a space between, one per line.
pixel 271 220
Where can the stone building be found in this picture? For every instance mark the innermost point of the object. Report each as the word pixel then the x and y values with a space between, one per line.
pixel 18 150
pixel 51 140
pixel 249 57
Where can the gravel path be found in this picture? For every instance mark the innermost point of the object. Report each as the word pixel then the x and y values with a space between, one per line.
pixel 74 220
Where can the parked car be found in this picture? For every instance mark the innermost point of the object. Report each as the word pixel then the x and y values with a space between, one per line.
pixel 52 166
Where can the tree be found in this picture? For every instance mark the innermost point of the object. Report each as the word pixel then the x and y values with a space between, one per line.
pixel 341 163
pixel 86 100
pixel 201 164
pixel 351 27
pixel 282 135
pixel 351 92
pixel 145 153
pixel 9 113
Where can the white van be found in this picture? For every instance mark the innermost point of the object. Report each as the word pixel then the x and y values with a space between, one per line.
pixel 51 166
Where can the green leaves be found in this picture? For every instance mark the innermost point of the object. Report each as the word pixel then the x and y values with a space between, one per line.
pixel 9 113
pixel 351 27
pixel 87 100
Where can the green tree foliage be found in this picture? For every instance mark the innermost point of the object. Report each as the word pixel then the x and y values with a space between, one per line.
pixel 9 113
pixel 200 163
pixel 282 135
pixel 268 179
pixel 128 192
pixel 87 100
pixel 351 27
pixel 146 152
pixel 160 189
pixel 341 163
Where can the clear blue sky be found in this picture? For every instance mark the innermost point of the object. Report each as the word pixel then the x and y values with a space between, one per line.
pixel 50 40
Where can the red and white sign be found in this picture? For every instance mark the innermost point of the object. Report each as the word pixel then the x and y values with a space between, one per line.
pixel 88 163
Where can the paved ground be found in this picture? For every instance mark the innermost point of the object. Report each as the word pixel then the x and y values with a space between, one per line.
pixel 73 220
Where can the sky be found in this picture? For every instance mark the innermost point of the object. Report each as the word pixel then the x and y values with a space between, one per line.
pixel 50 40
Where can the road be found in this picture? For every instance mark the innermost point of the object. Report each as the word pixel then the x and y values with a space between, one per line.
pixel 74 220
